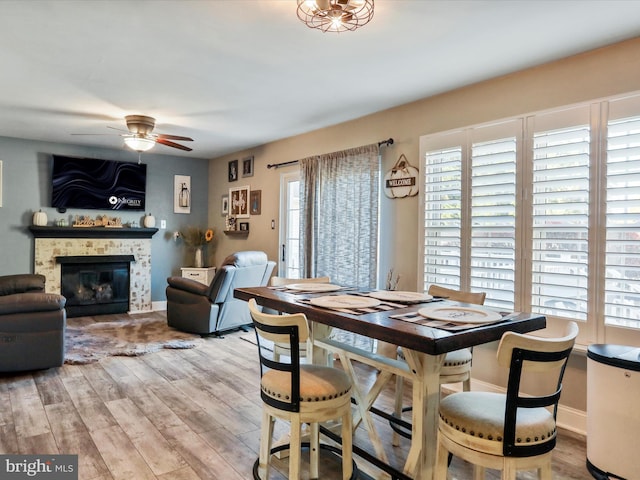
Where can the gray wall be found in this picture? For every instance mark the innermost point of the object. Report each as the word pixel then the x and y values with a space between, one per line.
pixel 26 188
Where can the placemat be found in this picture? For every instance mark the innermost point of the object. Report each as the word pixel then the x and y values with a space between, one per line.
pixel 284 288
pixel 415 317
pixel 382 307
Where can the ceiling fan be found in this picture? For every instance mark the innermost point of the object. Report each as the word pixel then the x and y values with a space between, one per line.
pixel 139 136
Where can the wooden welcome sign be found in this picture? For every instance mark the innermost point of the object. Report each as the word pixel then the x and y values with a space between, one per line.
pixel 402 180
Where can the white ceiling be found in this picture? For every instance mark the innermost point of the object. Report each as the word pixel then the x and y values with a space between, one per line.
pixel 233 74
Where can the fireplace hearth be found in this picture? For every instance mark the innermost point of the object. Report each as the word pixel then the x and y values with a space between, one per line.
pixel 95 284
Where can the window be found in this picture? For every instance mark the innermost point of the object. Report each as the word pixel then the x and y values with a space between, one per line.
pixel 541 212
pixel 442 235
pixel 622 246
pixel 289 263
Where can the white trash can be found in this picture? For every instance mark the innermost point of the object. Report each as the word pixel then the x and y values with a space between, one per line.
pixel 613 411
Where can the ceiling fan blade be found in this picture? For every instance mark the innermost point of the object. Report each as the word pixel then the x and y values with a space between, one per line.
pixel 172 144
pixel 118 129
pixel 174 137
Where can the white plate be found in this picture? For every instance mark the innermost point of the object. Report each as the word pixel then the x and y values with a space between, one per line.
pixel 344 301
pixel 460 314
pixel 399 296
pixel 314 287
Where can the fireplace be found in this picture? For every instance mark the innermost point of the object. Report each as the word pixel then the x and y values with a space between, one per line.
pixel 55 242
pixel 95 284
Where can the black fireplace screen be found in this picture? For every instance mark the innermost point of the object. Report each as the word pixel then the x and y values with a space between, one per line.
pixel 95 285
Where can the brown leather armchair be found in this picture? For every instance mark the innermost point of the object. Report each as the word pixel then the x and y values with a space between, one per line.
pixel 32 324
pixel 198 308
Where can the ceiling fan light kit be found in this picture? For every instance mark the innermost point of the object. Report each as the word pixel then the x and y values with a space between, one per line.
pixel 335 15
pixel 139 143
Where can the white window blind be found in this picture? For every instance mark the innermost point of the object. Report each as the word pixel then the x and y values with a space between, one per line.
pixel 560 249
pixel 622 278
pixel 493 214
pixel 442 227
pixel 542 212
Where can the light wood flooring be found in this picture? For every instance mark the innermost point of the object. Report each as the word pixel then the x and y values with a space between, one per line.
pixel 175 414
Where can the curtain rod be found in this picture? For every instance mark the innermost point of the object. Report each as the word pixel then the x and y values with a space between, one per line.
pixel 383 143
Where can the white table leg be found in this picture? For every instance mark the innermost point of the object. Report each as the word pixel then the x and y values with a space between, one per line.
pixel 421 460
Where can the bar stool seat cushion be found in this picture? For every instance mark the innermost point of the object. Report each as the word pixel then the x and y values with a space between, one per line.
pixel 317 384
pixel 455 363
pixel 477 419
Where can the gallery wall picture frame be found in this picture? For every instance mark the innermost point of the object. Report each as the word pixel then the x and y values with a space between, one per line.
pixel 225 204
pixel 247 167
pixel 244 226
pixel 239 202
pixel 181 194
pixel 255 202
pixel 233 170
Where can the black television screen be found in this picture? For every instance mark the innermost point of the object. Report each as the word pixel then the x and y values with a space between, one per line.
pixel 98 184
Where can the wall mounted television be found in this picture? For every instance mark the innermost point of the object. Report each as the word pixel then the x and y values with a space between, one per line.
pixel 97 184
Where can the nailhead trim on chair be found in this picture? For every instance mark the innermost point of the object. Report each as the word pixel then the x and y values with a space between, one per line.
pixel 445 364
pixel 499 438
pixel 454 364
pixel 309 399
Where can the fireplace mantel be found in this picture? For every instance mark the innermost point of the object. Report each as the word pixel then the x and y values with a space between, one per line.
pixel 91 232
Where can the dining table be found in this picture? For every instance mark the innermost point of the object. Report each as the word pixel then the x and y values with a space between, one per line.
pixel 424 343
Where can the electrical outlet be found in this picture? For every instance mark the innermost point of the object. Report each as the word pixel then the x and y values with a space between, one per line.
pixel 163 224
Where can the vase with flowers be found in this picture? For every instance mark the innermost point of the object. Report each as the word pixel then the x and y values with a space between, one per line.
pixel 197 238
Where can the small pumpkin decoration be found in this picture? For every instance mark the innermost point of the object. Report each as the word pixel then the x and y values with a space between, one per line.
pixel 402 180
pixel 40 218
pixel 149 221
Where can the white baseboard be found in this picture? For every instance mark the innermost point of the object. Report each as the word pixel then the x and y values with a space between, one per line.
pixel 159 306
pixel 568 418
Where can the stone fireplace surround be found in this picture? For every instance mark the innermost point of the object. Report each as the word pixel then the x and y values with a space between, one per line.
pixel 52 242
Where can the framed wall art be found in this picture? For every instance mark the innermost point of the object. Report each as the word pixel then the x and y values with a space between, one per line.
pixel 244 226
pixel 181 194
pixel 225 204
pixel 247 167
pixel 255 201
pixel 239 202
pixel 233 170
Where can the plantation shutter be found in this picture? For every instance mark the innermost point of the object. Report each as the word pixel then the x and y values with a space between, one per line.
pixel 442 217
pixel 622 277
pixel 560 216
pixel 493 213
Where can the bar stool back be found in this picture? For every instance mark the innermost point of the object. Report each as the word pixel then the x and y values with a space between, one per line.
pixel 283 348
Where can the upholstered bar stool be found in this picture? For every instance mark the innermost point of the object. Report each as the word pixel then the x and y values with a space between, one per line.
pixel 457 364
pixel 511 431
pixel 298 393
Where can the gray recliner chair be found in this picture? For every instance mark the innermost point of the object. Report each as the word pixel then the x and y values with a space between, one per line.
pixel 197 308
pixel 32 324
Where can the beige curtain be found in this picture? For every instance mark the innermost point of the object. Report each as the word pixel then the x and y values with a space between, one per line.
pixel 339 198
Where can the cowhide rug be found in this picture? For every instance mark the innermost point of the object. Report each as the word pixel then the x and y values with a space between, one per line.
pixel 89 342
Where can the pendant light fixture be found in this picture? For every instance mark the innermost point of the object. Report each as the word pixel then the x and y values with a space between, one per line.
pixel 335 15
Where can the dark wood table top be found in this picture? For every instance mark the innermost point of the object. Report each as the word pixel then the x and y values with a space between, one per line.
pixel 380 326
